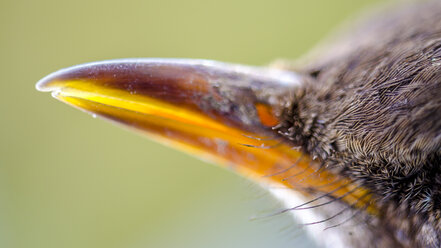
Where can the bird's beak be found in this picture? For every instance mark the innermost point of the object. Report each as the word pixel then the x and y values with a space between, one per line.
pixel 218 111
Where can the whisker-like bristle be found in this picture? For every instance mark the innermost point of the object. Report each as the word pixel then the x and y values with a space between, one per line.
pixel 337 214
pixel 357 212
pixel 287 169
pixel 262 146
pixel 315 199
pixel 329 202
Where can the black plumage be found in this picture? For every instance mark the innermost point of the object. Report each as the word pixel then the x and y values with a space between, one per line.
pixel 370 109
pixel 366 106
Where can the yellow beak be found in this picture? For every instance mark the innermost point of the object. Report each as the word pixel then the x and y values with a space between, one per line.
pixel 221 112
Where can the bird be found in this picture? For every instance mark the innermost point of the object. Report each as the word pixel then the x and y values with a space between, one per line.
pixel 349 137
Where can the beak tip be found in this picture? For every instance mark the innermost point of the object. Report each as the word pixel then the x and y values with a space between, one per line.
pixel 46 84
pixel 43 84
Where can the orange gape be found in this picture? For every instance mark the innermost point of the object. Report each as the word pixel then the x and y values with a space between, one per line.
pixel 266 115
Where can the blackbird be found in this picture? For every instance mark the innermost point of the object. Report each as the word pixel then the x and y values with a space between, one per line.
pixel 348 137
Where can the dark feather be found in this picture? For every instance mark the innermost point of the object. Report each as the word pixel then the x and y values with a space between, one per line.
pixel 370 109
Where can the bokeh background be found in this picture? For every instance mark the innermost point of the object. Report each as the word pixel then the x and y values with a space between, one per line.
pixel 68 180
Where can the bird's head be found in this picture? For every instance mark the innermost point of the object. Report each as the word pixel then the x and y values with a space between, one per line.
pixel 350 143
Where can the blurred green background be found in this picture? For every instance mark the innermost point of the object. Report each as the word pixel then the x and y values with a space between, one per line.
pixel 68 180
